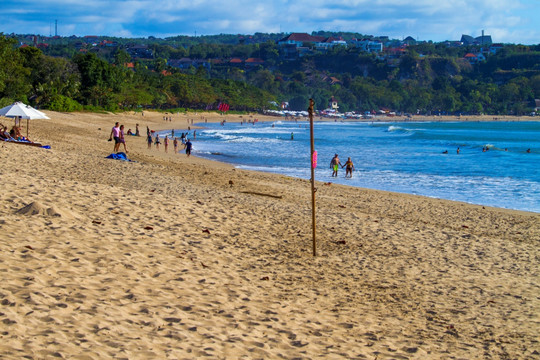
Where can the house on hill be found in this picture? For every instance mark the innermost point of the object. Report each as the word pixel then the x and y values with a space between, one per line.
pixel 329 43
pixel 186 63
pixel 483 40
pixel 91 39
pixel 368 45
pixel 236 62
pixel 409 40
pixel 297 45
pixel 474 58
pixel 495 48
pixel 333 104
pixel 252 62
pixel 299 39
pixel 140 51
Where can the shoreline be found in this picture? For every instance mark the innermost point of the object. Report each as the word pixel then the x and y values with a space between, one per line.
pixel 266 120
pixel 176 257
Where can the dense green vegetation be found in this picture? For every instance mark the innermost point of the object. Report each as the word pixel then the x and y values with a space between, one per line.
pixel 426 78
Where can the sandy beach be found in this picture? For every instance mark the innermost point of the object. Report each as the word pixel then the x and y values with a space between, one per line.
pixel 170 257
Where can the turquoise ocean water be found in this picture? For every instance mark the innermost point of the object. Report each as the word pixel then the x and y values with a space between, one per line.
pixel 403 157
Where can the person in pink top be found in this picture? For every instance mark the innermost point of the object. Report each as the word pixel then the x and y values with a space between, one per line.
pixel 115 133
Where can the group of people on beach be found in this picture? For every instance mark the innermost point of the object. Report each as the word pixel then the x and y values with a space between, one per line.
pixel 157 141
pixel 335 163
pixel 117 134
pixel 12 135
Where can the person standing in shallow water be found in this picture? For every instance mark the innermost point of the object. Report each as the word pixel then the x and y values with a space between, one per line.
pixel 188 147
pixel 349 167
pixel 334 165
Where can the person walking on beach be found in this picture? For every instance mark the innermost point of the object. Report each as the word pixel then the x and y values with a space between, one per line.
pixel 188 147
pixel 115 133
pixel 157 142
pixel 175 143
pixel 149 139
pixel 122 139
pixel 349 167
pixel 334 165
pixel 166 142
pixel 137 133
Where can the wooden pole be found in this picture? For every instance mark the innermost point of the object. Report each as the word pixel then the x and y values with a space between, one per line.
pixel 313 164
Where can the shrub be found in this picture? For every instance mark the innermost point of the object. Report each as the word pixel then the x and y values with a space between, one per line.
pixel 63 103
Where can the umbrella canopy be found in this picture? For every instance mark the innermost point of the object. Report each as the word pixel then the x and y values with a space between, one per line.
pixel 22 111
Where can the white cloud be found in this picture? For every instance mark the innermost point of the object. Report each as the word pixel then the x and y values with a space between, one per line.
pixel 505 20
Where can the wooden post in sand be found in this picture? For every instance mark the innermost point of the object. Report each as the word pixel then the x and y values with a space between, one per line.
pixel 313 165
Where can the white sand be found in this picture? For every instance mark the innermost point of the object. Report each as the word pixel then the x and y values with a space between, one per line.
pixel 183 258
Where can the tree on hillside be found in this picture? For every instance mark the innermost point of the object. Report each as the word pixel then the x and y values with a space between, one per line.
pixel 13 75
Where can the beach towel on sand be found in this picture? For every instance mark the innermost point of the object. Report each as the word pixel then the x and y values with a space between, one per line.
pixel 118 156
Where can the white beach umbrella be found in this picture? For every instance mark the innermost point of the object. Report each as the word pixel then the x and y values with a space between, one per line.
pixel 22 111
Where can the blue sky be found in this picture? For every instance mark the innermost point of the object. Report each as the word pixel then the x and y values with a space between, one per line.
pixel 507 21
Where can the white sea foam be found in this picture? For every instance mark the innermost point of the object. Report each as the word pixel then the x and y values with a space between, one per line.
pixel 387 158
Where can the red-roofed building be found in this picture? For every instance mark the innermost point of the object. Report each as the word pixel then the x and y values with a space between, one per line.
pixel 395 52
pixel 254 62
pixel 236 61
pixel 107 43
pixel 298 39
pixel 474 58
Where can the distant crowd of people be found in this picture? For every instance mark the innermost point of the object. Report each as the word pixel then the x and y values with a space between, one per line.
pixel 119 136
pixel 153 138
pixel 484 149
